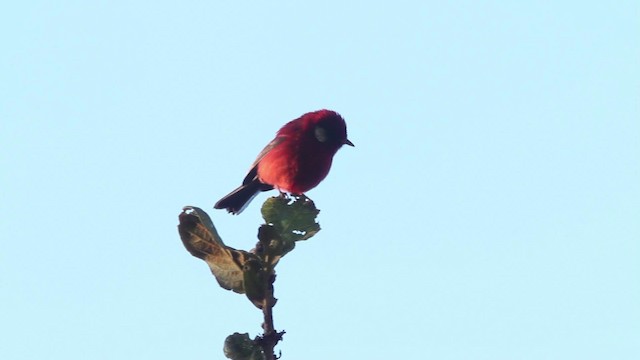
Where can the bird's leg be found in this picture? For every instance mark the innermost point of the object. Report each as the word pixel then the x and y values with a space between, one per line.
pixel 284 195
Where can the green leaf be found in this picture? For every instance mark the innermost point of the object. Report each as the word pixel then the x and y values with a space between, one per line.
pixel 256 282
pixel 293 219
pixel 240 347
pixel 271 246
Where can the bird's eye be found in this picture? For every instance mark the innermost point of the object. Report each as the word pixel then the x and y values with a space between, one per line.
pixel 321 134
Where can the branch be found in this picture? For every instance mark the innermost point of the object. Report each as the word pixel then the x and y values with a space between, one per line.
pixel 271 337
pixel 252 273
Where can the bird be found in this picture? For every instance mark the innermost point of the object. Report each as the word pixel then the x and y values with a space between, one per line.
pixel 295 161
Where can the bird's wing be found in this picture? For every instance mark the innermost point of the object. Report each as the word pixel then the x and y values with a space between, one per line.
pixel 253 170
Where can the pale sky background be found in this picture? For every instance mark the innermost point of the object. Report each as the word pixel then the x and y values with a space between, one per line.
pixel 490 208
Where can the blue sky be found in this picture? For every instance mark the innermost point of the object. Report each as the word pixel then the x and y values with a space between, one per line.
pixel 490 208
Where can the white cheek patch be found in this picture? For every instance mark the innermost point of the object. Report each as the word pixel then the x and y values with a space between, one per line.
pixel 321 134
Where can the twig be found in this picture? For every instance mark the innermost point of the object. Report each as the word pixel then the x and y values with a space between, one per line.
pixel 271 337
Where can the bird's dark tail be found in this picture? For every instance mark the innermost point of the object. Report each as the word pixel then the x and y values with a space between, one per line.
pixel 239 198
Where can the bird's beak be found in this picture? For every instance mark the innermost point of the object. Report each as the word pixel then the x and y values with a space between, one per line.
pixel 347 142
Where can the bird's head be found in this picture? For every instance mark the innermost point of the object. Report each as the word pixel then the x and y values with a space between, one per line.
pixel 328 128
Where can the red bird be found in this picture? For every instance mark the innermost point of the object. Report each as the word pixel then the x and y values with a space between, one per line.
pixel 296 161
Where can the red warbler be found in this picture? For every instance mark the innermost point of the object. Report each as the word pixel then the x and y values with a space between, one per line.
pixel 295 161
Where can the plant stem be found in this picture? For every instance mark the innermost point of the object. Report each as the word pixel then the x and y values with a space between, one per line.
pixel 270 337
